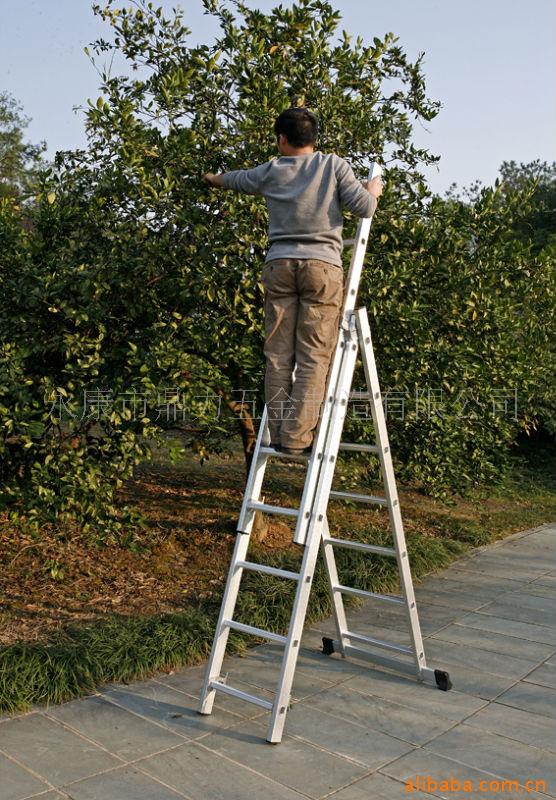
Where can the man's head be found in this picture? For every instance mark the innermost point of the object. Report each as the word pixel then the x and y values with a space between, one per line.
pixel 296 129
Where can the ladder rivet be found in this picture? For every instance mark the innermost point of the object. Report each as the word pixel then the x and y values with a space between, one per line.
pixel 320 517
pixel 307 514
pixel 352 291
pixel 413 605
pixel 363 241
pixel 308 579
pixel 283 710
pixel 394 502
pixel 354 347
pixel 386 449
pixel 367 340
pixel 377 395
pixel 421 655
pixel 343 402
pixel 404 555
pixel 332 458
pixel 295 644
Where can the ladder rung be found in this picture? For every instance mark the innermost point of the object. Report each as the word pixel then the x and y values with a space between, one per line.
pixel 348 242
pixel 251 698
pixel 252 631
pixel 369 548
pixel 357 637
pixel 359 396
pixel 360 448
pixel 287 512
pixel 388 598
pixel 278 573
pixel 359 498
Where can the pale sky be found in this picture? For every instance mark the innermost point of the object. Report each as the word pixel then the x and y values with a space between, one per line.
pixel 491 63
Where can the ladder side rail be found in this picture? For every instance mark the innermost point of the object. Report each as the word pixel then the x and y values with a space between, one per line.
pixel 316 459
pixel 315 462
pixel 254 479
pixel 218 650
pixel 339 612
pixel 357 258
pixel 314 536
pixel 385 456
pixel 231 590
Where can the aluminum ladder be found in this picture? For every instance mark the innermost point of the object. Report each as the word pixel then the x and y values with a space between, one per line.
pixel 312 529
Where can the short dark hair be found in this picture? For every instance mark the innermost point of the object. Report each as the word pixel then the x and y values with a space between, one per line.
pixel 299 125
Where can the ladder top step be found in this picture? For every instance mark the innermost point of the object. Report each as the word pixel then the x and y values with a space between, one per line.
pixel 268 509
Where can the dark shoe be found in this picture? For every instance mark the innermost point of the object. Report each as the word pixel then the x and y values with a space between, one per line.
pixel 294 451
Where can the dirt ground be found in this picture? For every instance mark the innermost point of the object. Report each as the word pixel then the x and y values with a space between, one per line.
pixel 184 554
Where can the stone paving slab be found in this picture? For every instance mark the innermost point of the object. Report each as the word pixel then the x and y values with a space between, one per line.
pixel 380 714
pixel 420 765
pixel 125 783
pixel 16 781
pixel 516 724
pixel 488 751
pixel 495 643
pixel 353 732
pixel 377 787
pixel 489 623
pixel 48 796
pixel 51 751
pixel 545 675
pixel 208 775
pixel 365 746
pixel 294 763
pixel 113 728
pixel 529 697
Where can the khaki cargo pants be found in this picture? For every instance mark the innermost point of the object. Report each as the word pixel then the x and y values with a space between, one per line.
pixel 303 303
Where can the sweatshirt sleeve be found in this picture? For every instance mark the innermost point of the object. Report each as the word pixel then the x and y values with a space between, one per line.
pixel 352 194
pixel 248 181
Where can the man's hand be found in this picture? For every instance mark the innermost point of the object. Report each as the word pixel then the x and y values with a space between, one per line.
pixel 213 180
pixel 374 187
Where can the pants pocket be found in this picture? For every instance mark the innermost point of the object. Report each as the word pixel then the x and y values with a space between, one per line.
pixel 320 327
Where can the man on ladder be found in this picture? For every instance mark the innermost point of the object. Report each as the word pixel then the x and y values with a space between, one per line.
pixel 303 283
pixel 305 191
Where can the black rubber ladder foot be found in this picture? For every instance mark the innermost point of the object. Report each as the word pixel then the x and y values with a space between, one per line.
pixel 327 646
pixel 442 680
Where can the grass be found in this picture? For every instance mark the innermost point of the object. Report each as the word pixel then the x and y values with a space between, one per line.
pixel 76 657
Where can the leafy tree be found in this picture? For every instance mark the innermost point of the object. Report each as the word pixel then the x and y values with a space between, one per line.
pixel 540 225
pixel 19 160
pixel 135 276
pixel 538 228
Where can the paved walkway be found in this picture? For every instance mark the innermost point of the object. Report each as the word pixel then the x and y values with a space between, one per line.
pixel 353 733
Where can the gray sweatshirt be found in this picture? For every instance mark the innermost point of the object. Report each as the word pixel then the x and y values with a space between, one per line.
pixel 305 195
